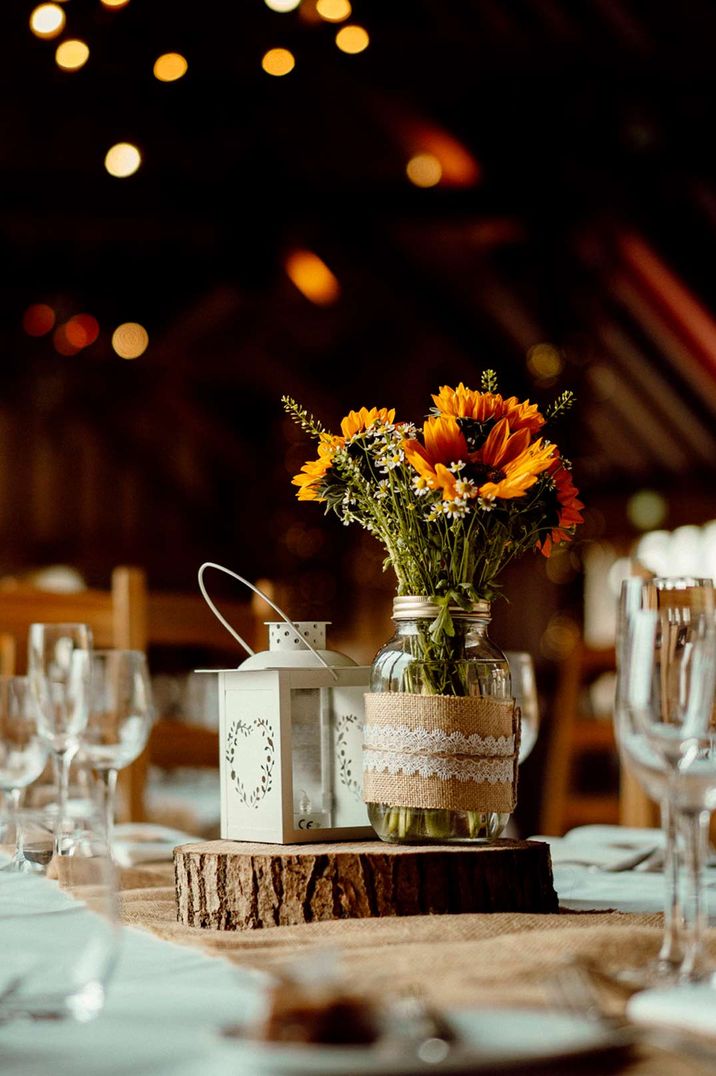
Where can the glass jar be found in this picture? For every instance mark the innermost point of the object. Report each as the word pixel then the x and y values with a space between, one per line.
pixel 464 663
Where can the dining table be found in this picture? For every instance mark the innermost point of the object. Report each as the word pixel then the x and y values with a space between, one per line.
pixel 176 989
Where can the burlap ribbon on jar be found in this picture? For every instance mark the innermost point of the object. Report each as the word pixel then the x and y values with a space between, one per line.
pixel 443 752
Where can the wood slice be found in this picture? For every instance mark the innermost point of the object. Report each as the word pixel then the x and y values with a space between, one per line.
pixel 229 885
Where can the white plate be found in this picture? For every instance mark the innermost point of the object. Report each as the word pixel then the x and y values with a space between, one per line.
pixel 490 1039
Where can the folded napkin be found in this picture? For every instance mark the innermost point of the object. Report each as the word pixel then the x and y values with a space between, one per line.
pixel 691 1007
pixel 145 842
pixel 609 848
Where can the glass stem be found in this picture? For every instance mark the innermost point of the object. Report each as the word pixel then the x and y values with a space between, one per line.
pixel 62 760
pixel 672 946
pixel 108 779
pixel 15 800
pixel 695 829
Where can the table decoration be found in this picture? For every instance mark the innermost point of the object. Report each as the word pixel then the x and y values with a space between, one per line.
pixel 452 503
pixel 228 885
pixel 290 729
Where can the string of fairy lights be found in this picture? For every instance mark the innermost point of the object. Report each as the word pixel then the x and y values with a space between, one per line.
pixel 433 158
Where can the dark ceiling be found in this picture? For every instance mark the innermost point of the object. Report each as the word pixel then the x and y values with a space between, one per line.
pixel 590 227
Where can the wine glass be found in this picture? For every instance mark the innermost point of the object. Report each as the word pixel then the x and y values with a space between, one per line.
pixel 23 754
pixel 665 698
pixel 524 689
pixel 58 671
pixel 59 931
pixel 120 717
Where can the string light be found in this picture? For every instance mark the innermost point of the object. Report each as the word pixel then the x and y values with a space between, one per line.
pixel 278 62
pixel 130 340
pixel 170 66
pixel 71 55
pixel 352 39
pixel 282 5
pixel 62 342
pixel 38 319
pixel 47 20
pixel 312 277
pixel 82 330
pixel 424 170
pixel 122 160
pixel 334 10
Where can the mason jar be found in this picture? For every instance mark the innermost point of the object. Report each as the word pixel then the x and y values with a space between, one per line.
pixel 431 673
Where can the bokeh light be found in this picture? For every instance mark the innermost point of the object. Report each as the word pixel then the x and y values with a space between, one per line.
pixel 278 62
pixel 647 509
pixel 282 5
pixel 47 20
pixel 170 66
pixel 545 363
pixel 62 342
pixel 130 340
pixel 424 170
pixel 312 277
pixel 115 3
pixel 352 39
pixel 82 330
pixel 334 10
pixel 38 319
pixel 122 160
pixel 72 54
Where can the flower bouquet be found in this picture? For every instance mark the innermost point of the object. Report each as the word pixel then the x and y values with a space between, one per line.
pixel 452 502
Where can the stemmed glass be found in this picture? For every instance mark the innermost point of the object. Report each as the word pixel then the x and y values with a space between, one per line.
pixel 667 654
pixel 524 689
pixel 23 754
pixel 58 667
pixel 120 717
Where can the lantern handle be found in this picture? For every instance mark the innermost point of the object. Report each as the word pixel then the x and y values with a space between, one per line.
pixel 249 650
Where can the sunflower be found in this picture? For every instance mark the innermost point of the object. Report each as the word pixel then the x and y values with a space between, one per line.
pixel 569 514
pixel 481 406
pixel 312 473
pixel 357 421
pixel 505 466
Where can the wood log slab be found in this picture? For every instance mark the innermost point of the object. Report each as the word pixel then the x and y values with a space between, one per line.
pixel 231 885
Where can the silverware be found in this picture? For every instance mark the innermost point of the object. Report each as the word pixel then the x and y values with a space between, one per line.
pixel 580 989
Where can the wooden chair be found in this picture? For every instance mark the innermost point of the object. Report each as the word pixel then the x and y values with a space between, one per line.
pixel 118 618
pixel 576 734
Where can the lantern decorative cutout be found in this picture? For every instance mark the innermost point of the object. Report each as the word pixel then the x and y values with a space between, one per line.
pixel 291 734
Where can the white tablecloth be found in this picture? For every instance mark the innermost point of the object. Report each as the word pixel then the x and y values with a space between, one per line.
pixel 165 1001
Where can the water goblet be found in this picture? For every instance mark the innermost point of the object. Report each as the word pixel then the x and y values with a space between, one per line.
pixel 119 720
pixel 58 671
pixel 23 754
pixel 524 689
pixel 59 928
pixel 668 673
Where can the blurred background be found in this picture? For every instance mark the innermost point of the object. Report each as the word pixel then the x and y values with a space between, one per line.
pixel 206 207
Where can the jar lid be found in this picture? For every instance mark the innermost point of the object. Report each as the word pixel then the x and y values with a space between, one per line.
pixel 414 607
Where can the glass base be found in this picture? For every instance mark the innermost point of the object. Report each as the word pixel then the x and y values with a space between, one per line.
pixel 419 825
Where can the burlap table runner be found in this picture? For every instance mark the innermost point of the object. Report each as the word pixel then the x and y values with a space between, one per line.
pixel 499 959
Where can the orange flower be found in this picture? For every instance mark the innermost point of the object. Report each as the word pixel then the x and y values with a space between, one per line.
pixel 506 466
pixel 357 421
pixel 569 508
pixel 481 406
pixel 313 472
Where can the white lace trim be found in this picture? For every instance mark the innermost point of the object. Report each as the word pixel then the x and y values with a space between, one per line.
pixel 480 770
pixel 435 741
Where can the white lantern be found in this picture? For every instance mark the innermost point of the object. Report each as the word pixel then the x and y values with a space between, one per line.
pixel 291 740
pixel 291 735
